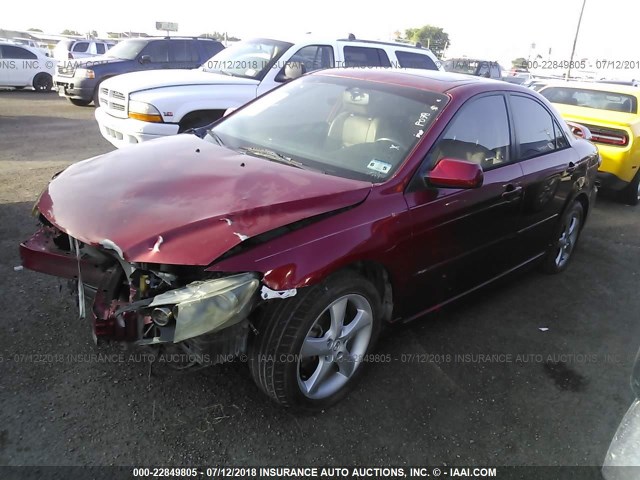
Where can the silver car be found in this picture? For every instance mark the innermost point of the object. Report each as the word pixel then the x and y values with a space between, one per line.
pixel 623 457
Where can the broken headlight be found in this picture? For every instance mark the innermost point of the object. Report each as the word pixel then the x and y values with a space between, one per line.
pixel 206 306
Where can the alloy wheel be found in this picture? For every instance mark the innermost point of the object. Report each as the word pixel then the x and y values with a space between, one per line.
pixel 335 346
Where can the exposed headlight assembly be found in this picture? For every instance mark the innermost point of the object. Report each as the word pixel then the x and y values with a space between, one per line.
pixel 206 306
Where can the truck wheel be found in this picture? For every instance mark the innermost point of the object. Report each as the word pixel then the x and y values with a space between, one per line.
pixel 312 347
pixel 79 103
pixel 631 193
pixel 42 82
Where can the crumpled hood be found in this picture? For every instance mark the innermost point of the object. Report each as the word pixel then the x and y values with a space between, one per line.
pixel 202 199
pixel 146 80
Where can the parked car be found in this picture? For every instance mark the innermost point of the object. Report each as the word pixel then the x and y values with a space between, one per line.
pixel 295 227
pixel 31 43
pixel 622 461
pixel 70 49
pixel 611 114
pixel 472 66
pixel 535 84
pixel 79 81
pixel 145 105
pixel 22 66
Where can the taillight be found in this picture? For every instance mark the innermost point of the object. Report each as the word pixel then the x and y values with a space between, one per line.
pixel 608 136
pixel 620 140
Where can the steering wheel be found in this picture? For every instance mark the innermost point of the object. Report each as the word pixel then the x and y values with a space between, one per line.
pixel 400 145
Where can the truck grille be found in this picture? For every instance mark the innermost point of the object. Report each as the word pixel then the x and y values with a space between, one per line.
pixel 114 102
pixel 66 69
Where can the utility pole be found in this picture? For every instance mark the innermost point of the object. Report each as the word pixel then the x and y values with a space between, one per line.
pixel 575 40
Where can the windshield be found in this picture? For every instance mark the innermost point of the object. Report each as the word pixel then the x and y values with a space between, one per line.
pixel 615 102
pixel 345 127
pixel 249 59
pixel 128 49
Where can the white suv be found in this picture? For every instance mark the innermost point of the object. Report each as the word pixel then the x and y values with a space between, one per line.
pixel 73 49
pixel 141 106
pixel 22 66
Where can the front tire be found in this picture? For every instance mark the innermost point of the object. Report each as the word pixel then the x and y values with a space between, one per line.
pixel 79 103
pixel 311 348
pixel 42 82
pixel 561 251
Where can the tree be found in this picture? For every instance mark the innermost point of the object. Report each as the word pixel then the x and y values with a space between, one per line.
pixel 220 36
pixel 70 32
pixel 94 34
pixel 34 30
pixel 435 38
pixel 519 62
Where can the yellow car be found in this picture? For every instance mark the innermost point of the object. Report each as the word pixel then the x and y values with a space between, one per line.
pixel 610 111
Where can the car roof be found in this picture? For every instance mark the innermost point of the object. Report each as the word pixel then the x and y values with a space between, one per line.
pixel 601 87
pixel 431 80
pixel 313 38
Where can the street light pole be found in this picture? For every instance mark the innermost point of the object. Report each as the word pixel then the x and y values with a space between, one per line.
pixel 575 40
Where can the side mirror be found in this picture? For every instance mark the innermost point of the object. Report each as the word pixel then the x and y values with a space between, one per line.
pixel 291 71
pixel 145 59
pixel 454 173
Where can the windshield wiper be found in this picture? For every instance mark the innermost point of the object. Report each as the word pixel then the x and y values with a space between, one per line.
pixel 215 136
pixel 271 155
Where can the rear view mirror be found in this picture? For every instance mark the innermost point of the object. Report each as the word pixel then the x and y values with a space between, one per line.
pixel 454 173
pixel 291 71
pixel 145 59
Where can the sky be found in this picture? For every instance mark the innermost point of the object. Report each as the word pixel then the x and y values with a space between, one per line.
pixel 499 30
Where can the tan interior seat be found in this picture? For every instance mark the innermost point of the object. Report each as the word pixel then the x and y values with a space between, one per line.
pixel 355 124
pixel 460 150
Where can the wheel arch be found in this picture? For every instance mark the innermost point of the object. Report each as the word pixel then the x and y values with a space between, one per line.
pixel 208 115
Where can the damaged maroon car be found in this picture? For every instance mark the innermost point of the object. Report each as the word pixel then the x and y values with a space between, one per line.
pixel 292 230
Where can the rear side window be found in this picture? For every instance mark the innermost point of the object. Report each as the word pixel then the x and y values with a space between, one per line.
pixel 535 130
pixel 100 48
pixel 182 51
pixel 365 57
pixel 415 60
pixel 158 51
pixel 9 51
pixel 210 48
pixel 81 47
pixel 479 133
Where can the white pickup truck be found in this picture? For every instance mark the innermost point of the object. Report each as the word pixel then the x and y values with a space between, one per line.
pixel 141 106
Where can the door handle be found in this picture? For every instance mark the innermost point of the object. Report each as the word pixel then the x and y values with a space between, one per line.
pixel 571 167
pixel 511 191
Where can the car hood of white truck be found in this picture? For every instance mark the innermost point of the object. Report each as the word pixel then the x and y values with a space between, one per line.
pixel 150 79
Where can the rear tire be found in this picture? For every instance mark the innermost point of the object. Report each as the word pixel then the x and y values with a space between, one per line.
pixel 311 348
pixel 79 103
pixel 565 240
pixel 42 82
pixel 631 193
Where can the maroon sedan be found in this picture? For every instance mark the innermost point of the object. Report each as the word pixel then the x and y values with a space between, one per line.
pixel 290 231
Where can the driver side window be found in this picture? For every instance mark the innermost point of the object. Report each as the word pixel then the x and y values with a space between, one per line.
pixel 314 57
pixel 479 133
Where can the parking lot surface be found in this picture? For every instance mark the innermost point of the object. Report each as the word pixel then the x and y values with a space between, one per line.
pixel 478 383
